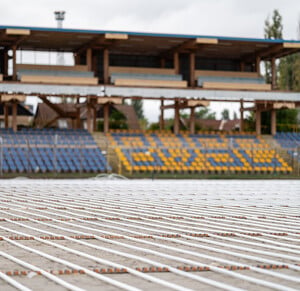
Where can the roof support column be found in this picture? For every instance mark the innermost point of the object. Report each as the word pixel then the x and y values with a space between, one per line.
pixel 273 70
pixel 176 117
pixel 6 108
pixel 242 66
pixel 14 64
pixel 89 60
pixel 258 121
pixel 192 69
pixel 94 121
pixel 161 117
pixel 273 122
pixel 192 121
pixel 89 118
pixel 5 63
pixel 162 62
pixel 77 118
pixel 105 66
pixel 106 117
pixel 241 115
pixel 14 116
pixel 176 62
pixel 257 65
pixel 77 59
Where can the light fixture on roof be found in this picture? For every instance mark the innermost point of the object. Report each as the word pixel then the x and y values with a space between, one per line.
pixel 60 17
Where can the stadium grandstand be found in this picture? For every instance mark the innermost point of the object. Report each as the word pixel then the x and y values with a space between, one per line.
pixel 110 67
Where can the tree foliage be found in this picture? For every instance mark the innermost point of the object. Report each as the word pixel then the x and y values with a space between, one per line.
pixel 205 113
pixel 138 108
pixel 225 114
pixel 273 30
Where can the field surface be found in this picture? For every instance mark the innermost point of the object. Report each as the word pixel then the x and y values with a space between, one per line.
pixel 149 235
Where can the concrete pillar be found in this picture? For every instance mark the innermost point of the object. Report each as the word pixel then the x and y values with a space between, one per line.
pixel 192 69
pixel 14 64
pixel 89 58
pixel 176 62
pixel 258 121
pixel 106 66
pixel 241 116
pixel 176 118
pixel 161 117
pixel 14 116
pixel 6 108
pixel 273 70
pixel 273 122
pixel 106 117
pixel 192 121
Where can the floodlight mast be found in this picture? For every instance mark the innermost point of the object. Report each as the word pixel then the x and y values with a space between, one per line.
pixel 60 17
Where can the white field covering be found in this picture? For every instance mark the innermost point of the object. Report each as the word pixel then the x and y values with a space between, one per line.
pixel 149 235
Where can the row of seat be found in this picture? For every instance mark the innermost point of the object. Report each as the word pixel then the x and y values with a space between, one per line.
pixel 51 150
pixel 187 140
pixel 221 153
pixel 29 73
pixel 291 142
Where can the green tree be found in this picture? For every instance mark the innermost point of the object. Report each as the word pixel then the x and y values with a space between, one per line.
pixel 225 114
pixel 273 30
pixel 205 113
pixel 138 108
pixel 289 78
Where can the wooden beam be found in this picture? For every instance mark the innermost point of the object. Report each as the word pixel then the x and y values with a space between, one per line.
pixel 241 115
pixel 78 121
pixel 273 122
pixel 161 117
pixel 242 66
pixel 14 116
pixel 106 117
pixel 176 62
pixel 6 109
pixel 5 63
pixel 89 118
pixel 258 121
pixel 89 56
pixel 291 44
pixel 176 118
pixel 14 31
pixel 192 121
pixel 119 36
pixel 14 60
pixel 203 40
pixel 51 121
pixel 257 65
pixel 273 73
pixel 106 66
pixel 192 69
pixel 57 109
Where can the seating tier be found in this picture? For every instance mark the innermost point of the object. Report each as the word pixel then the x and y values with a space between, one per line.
pixel 196 153
pixel 51 150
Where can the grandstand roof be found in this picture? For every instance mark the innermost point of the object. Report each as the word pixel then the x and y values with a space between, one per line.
pixel 124 42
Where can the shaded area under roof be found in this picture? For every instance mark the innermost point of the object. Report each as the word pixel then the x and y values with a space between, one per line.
pixel 74 40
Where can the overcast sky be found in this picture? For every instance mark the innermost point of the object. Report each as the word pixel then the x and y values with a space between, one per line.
pixel 202 17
